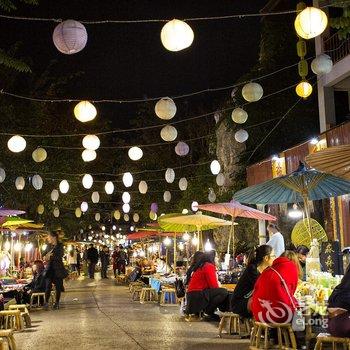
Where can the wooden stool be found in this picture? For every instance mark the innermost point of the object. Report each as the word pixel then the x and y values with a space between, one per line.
pixel 7 336
pixel 121 279
pixel 35 300
pixel 132 285
pixel 260 337
pixel 325 338
pixel 11 319
pixel 24 313
pixel 148 295
pixel 168 297
pixel 136 293
pixel 235 325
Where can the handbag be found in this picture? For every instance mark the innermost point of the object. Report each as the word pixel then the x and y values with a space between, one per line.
pixel 298 320
pixel 179 288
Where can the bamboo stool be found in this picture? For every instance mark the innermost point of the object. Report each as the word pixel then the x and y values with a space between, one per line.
pixel 132 285
pixel 148 295
pixel 24 313
pixel 136 293
pixel 35 300
pixel 324 338
pixel 260 337
pixel 7 337
pixel 168 297
pixel 11 319
pixel 121 279
pixel 235 325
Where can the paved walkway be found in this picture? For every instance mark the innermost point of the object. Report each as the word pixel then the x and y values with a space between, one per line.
pixel 100 315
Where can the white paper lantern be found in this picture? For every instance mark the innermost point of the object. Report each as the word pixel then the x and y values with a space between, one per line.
pixel 252 92
pixel 16 144
pixel 40 209
pixel 215 167
pixel 39 155
pixel 116 214
pixel 126 208
pixel 91 142
pixel 88 155
pixel 170 175
pixel 135 153
pixel 20 183
pixel 136 217
pixel 182 149
pixel 168 133
pixel 84 207
pixel 310 22
pixel 64 186
pixel 194 206
pixel 239 115
pixel 128 179
pixel 143 187
pixel 126 217
pixel 176 35
pixel 109 187
pixel 78 212
pixel 167 196
pixel 322 64
pixel 95 197
pixel 212 196
pixel 97 216
pixel 220 179
pixel 37 182
pixel 87 181
pixel 85 111
pixel 54 195
pixel 165 108
pixel 56 212
pixel 2 175
pixel 70 37
pixel 126 197
pixel 241 136
pixel 183 184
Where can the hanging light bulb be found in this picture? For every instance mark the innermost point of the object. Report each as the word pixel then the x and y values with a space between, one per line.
pixel 208 246
pixel 109 187
pixel 126 197
pixel 128 179
pixel 87 181
pixel 85 111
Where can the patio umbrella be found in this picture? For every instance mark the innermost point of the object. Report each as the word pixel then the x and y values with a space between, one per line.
pixel 333 160
pixel 15 221
pixel 9 212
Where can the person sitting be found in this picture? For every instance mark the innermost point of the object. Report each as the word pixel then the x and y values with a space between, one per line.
pixel 203 292
pixel 162 267
pixel 302 252
pixel 261 258
pixel 38 283
pixel 273 298
pixel 339 308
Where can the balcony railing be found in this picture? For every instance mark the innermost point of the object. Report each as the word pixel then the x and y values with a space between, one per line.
pixel 337 49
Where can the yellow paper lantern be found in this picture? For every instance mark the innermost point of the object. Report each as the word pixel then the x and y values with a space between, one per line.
pixel 165 108
pixel 20 183
pixel 97 216
pixel 304 89
pixel 40 210
pixel 126 217
pixel 252 92
pixel 39 155
pixel 168 133
pixel 136 217
pixel 56 212
pixel 239 115
pixel 85 111
pixel 176 35
pixel 91 142
pixel 54 195
pixel 310 22
pixel 16 144
pixel 143 187
pixel 78 212
pixel 116 214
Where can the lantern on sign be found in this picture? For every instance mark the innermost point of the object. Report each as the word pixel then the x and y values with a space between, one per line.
pixel 91 142
pixel 70 37
pixel 165 108
pixel 154 207
pixel 182 149
pixel 126 208
pixel 136 217
pixel 239 115
pixel 135 153
pixel 176 35
pixel 56 212
pixel 194 206
pixel 64 186
pixel 37 182
pixel 143 187
pixel 40 209
pixel 241 135
pixel 95 197
pixel 126 197
pixel 167 196
pixel 39 155
pixel 126 217
pixel 84 207
pixel 54 195
pixel 2 175
pixel 252 92
pixel 109 187
pixel 85 111
pixel 20 183
pixel 183 184
pixel 16 144
pixel 97 216
pixel 78 212
pixel 220 179
pixel 322 64
pixel 168 133
pixel 88 155
pixel 215 167
pixel 116 214
pixel 128 179
pixel 170 175
pixel 87 181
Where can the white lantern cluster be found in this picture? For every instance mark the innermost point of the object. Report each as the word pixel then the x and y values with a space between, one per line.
pixel 87 181
pixel 252 92
pixel 37 182
pixel 239 115
pixel 40 209
pixel 39 155
pixel 88 155
pixel 91 142
pixel 215 167
pixel 182 149
pixel 167 196
pixel 78 212
pixel 143 187
pixel 170 175
pixel 95 197
pixel 64 186
pixel 128 179
pixel 176 35
pixel 20 183
pixel 16 144
pixel 241 135
pixel 84 206
pixel 322 64
pixel 2 175
pixel 54 195
pixel 135 153
pixel 126 197
pixel 56 212
pixel 85 111
pixel 109 187
pixel 165 108
pixel 183 184
pixel 168 133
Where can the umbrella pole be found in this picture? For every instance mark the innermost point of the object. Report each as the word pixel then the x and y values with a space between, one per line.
pixel 175 252
pixel 233 240
pixel 307 212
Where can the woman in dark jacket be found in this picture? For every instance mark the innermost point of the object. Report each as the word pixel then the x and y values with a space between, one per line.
pixel 55 271
pixel 38 283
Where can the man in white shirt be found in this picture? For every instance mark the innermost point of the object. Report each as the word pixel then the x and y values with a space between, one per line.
pixel 276 239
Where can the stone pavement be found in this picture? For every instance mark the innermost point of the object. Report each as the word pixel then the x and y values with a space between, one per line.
pixel 97 314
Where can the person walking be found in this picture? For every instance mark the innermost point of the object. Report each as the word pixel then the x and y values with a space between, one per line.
pixel 72 259
pixel 104 257
pixel 92 259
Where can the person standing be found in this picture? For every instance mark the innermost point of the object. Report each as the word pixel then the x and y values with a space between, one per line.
pixel 276 239
pixel 72 259
pixel 104 257
pixel 119 260
pixel 92 259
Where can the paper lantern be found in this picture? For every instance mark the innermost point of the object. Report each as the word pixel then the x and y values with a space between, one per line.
pixel 194 206
pixel 20 183
pixel 126 217
pixel 303 89
pixel 84 207
pixel 167 196
pixel 109 187
pixel 182 149
pixel 78 212
pixel 322 64
pixel 40 209
pixel 136 217
pixel 239 115
pixel 154 207
pixel 91 142
pixel 152 215
pixel 126 208
pixel 87 181
pixel 215 167
pixel 169 175
pixel 135 153
pixel 16 144
pixel 54 195
pixel 183 184
pixel 2 175
pixel 126 197
pixel 69 37
pixel 241 135
pixel 176 35
pixel 220 179
pixel 37 182
pixel 252 92
pixel 56 212
pixel 128 179
pixel 212 196
pixel 64 186
pixel 97 216
pixel 95 197
pixel 143 187
pixel 85 111
pixel 88 155
pixel 116 214
pixel 168 133
pixel 165 108
pixel 310 22
pixel 39 155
